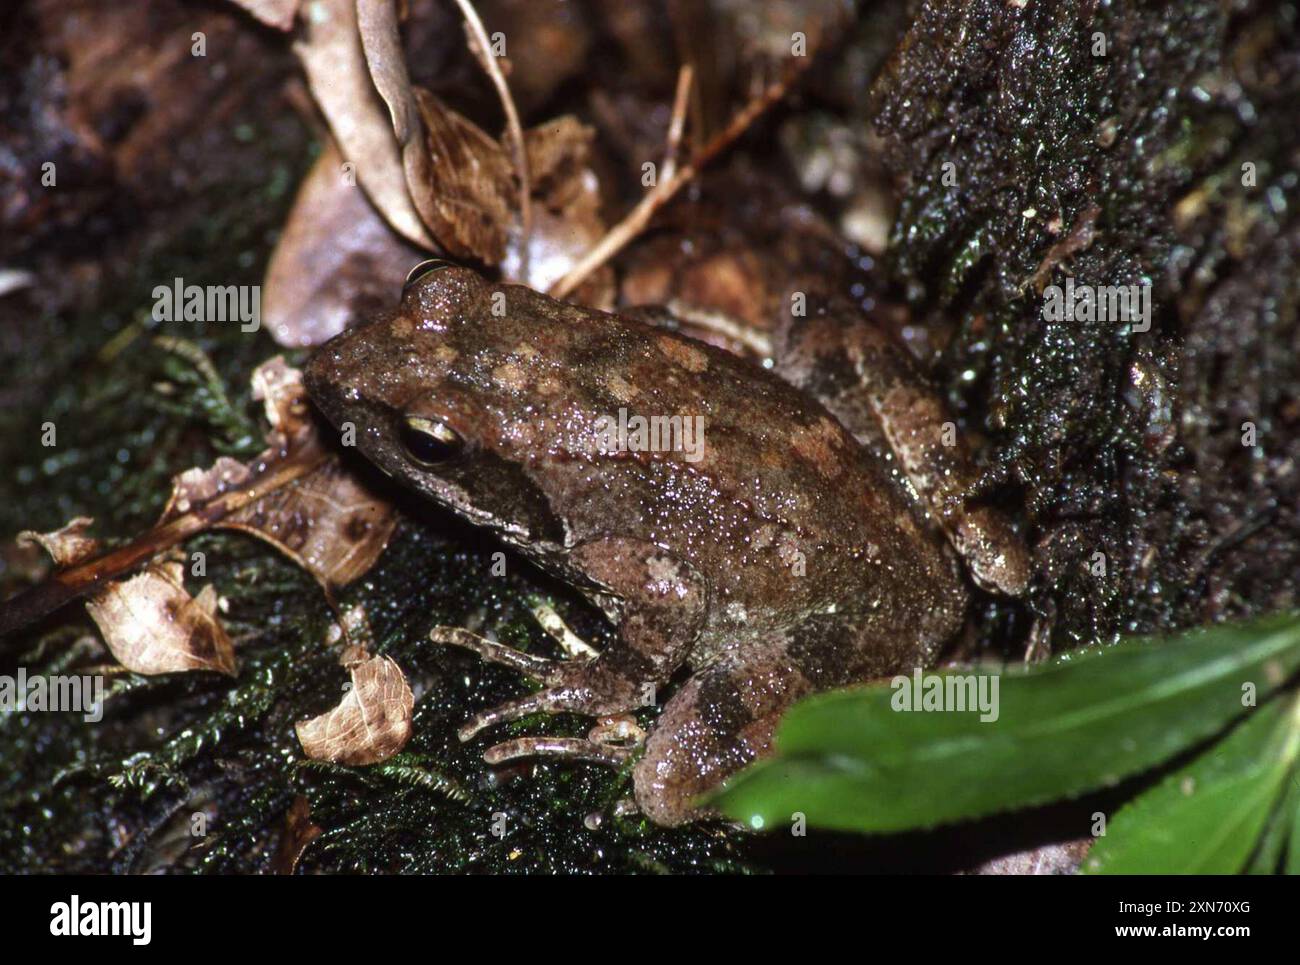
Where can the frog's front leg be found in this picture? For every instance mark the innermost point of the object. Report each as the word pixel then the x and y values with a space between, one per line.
pixel 660 603
pixel 720 720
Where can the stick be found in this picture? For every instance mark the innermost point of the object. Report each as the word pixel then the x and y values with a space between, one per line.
pixel 634 221
pixel 678 122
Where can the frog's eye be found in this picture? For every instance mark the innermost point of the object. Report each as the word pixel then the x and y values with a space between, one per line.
pixel 425 268
pixel 429 441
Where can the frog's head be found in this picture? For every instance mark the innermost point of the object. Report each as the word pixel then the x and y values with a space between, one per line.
pixel 436 394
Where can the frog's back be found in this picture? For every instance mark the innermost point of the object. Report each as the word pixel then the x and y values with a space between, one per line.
pixel 773 500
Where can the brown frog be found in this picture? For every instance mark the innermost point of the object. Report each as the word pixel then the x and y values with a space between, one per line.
pixel 787 554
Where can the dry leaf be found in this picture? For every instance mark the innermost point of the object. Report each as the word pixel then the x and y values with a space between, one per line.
pixel 299 831
pixel 332 56
pixel 294 494
pixel 327 522
pixel 370 724
pixel 337 260
pixel 152 625
pixel 66 546
pixel 465 198
pixel 566 218
pixel 284 400
pixel 559 151
pixel 459 179
pixel 274 13
pixel 382 44
pixel 197 487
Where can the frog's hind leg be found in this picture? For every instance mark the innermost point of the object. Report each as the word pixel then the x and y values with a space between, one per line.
pixel 870 383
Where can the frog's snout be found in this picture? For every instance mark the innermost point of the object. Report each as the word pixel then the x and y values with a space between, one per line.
pixel 329 371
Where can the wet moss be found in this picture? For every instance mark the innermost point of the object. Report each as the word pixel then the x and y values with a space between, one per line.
pixel 1129 124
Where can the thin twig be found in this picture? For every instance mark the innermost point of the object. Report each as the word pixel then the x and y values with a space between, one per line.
pixel 675 126
pixel 634 221
pixel 482 46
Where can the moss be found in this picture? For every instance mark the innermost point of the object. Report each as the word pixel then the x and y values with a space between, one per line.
pixel 1125 445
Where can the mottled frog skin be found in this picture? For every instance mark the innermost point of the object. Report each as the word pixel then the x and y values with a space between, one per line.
pixel 788 559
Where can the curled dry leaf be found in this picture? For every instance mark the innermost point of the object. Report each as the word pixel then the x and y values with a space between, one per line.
pixel 274 13
pixel 284 400
pixel 464 185
pixel 299 831
pixel 459 180
pixel 381 42
pixel 456 175
pixel 66 546
pixel 337 260
pixel 332 56
pixel 322 517
pixel 370 724
pixel 152 625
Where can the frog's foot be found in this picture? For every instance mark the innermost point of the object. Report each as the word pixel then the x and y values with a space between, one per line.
pixel 580 686
pixel 663 608
pixel 720 720
pixel 575 686
pixel 539 669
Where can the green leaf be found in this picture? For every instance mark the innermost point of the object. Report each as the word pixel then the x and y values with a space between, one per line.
pixel 848 760
pixel 1207 817
pixel 1293 847
pixel 1272 842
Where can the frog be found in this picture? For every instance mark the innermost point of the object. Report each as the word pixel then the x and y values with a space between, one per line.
pixel 818 537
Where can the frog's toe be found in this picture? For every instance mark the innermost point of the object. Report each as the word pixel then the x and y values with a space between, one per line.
pixel 504 713
pixel 568 748
pixel 535 668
